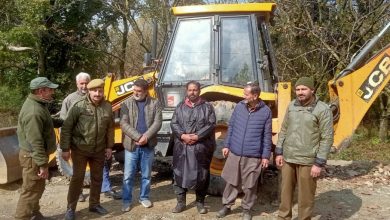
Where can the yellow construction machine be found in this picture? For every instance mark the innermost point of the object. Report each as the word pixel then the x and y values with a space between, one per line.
pixel 226 46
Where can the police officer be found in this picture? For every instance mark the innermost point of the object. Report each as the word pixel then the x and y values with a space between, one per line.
pixel 89 132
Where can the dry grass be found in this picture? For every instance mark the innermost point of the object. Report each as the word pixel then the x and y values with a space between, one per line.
pixel 8 119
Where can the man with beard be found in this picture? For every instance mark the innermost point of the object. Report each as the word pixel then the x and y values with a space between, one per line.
pixel 141 119
pixel 82 80
pixel 304 142
pixel 36 142
pixel 192 125
pixel 88 132
pixel 247 148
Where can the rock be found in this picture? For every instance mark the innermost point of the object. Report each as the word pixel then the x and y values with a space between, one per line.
pixel 352 173
pixel 369 183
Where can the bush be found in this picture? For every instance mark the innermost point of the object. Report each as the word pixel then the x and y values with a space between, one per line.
pixel 11 99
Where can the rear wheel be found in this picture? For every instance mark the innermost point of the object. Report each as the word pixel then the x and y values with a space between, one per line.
pixel 223 111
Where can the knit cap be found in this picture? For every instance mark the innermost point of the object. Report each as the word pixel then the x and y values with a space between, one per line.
pixel 305 81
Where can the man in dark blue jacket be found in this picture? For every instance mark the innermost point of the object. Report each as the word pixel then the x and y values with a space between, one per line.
pixel 247 148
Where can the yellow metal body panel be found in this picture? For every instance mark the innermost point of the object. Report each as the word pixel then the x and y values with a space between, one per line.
pixel 356 92
pixel 115 90
pixel 283 100
pixel 234 91
pixel 264 8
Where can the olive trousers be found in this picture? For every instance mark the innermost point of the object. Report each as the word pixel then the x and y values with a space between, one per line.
pixel 297 175
pixel 32 187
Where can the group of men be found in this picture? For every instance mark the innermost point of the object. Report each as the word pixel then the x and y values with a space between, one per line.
pixel 87 136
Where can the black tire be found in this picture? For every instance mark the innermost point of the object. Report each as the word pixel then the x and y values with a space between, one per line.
pixel 66 168
pixel 223 112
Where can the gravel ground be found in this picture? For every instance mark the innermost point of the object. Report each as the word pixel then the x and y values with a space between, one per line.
pixel 347 190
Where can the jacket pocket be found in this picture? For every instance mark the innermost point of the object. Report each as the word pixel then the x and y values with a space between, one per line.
pixel 25 160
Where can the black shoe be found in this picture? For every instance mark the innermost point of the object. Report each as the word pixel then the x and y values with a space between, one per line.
pixel 181 203
pixel 98 209
pixel 81 198
pixel 200 207
pixel 112 194
pixel 70 214
pixel 179 208
pixel 38 216
pixel 246 214
pixel 223 212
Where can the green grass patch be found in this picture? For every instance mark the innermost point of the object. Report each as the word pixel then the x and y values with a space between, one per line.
pixel 365 146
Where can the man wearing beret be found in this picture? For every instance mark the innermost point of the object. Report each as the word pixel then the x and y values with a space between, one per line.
pixel 82 80
pixel 36 142
pixel 88 132
pixel 302 149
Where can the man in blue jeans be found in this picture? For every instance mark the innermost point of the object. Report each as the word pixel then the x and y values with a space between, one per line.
pixel 141 119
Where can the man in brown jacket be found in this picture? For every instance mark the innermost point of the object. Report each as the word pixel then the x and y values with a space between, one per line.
pixel 89 132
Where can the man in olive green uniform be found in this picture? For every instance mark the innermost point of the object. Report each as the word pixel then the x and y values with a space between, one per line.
pixel 36 141
pixel 89 132
pixel 302 149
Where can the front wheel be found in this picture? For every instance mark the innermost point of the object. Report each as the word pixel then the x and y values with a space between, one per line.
pixel 66 168
pixel 223 111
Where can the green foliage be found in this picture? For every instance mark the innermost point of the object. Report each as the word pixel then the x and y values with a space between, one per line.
pixel 243 76
pixel 11 99
pixel 365 145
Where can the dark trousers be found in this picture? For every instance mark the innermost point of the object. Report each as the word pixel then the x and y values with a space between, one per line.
pixel 32 188
pixel 200 191
pixel 96 163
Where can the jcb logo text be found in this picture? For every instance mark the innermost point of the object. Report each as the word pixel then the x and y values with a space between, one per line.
pixel 375 79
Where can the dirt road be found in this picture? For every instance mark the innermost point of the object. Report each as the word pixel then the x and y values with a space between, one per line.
pixel 347 190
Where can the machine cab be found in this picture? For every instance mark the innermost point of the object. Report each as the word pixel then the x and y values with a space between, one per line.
pixel 225 45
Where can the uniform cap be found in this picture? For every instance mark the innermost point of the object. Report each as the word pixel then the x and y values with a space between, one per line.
pixel 42 82
pixel 305 81
pixel 95 83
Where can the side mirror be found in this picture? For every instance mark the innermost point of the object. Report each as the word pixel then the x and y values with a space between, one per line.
pixel 147 60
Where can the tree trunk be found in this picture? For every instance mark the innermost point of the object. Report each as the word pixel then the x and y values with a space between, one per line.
pixel 41 55
pixel 123 48
pixel 385 115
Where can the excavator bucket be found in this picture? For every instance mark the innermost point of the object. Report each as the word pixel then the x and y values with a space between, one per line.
pixel 10 169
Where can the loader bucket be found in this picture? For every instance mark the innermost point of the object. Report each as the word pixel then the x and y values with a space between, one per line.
pixel 10 169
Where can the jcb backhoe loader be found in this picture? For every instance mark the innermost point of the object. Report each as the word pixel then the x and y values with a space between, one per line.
pixel 224 47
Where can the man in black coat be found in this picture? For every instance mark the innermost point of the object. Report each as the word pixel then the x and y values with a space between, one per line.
pixel 193 127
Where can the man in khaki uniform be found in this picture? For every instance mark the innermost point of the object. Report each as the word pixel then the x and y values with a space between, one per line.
pixel 36 141
pixel 303 146
pixel 89 132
